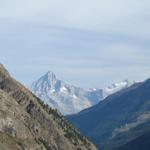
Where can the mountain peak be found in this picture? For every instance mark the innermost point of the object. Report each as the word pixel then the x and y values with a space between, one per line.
pixel 50 73
pixel 50 76
pixel 115 87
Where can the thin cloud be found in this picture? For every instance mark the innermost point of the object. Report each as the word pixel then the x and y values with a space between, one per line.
pixel 88 43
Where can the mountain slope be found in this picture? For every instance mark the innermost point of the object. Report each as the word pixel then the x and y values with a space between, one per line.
pixel 118 119
pixel 141 142
pixel 27 124
pixel 70 99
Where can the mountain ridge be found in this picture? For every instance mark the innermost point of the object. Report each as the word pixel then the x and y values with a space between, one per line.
pixel 69 99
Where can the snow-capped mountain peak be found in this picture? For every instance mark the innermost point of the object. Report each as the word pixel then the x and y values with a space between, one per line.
pixel 50 77
pixel 115 87
pixel 45 84
pixel 66 98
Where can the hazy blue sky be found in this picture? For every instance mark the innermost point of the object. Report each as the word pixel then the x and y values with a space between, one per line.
pixel 86 43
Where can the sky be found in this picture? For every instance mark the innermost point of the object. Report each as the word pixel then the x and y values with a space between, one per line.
pixel 85 43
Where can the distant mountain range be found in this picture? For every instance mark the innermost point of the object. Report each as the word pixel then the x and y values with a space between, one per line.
pixel 26 123
pixel 69 99
pixel 120 122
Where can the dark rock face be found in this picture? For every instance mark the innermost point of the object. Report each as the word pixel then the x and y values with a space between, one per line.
pixel 29 124
pixel 117 120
